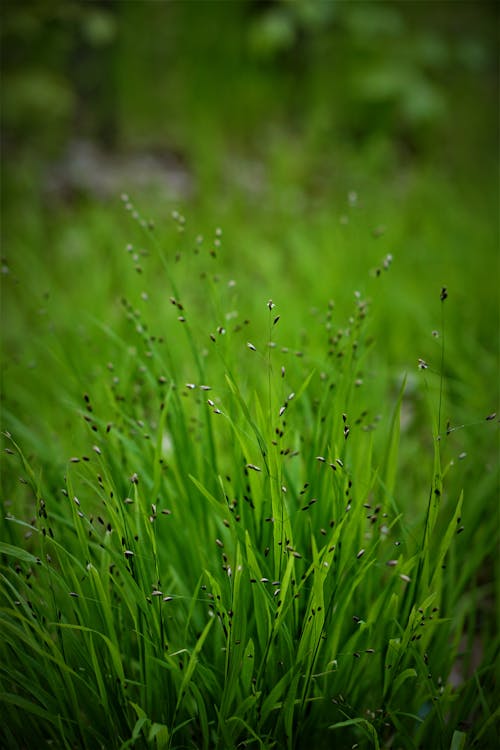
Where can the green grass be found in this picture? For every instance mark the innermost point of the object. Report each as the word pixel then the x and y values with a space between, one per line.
pixel 234 512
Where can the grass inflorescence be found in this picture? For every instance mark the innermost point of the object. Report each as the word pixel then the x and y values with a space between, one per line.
pixel 230 555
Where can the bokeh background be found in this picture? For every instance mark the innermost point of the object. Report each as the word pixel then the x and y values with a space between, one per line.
pixel 275 109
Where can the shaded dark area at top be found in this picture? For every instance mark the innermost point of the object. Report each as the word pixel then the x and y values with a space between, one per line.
pixel 197 84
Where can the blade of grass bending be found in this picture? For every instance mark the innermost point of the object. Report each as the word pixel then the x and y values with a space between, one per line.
pixel 392 450
pixel 160 735
pixel 273 700
pixel 27 468
pixel 246 725
pixel 188 674
pixel 246 413
pixel 46 651
pixel 406 674
pixel 192 605
pixel 112 648
pixel 364 724
pixel 495 717
pixel 29 707
pixel 136 732
pixel 219 505
pixel 11 550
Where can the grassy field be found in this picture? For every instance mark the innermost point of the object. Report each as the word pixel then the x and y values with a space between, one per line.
pixel 250 435
pixel 237 511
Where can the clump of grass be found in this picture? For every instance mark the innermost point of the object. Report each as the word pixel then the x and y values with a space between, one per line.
pixel 232 560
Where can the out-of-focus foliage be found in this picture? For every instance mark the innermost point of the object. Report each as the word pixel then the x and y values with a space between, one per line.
pixel 52 67
pixel 175 74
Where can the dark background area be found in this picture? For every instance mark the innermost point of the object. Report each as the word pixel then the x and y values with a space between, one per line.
pixel 201 83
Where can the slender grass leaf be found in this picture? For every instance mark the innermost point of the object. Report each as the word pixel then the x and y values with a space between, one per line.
pixel 368 728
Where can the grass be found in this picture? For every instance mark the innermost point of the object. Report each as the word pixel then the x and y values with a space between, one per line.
pixel 234 515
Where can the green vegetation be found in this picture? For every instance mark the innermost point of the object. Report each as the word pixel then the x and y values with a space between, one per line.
pixel 250 448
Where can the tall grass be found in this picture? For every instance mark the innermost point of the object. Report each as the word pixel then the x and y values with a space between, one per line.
pixel 229 556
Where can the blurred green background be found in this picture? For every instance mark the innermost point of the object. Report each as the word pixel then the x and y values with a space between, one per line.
pixel 319 135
